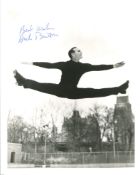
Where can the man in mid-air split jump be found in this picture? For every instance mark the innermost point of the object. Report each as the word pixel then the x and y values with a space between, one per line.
pixel 72 71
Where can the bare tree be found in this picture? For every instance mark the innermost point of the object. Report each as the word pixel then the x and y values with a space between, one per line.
pixel 16 129
pixel 104 115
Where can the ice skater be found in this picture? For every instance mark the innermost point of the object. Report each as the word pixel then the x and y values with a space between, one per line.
pixel 72 71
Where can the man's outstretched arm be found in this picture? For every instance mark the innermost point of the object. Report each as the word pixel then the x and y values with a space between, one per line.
pixel 57 65
pixel 89 67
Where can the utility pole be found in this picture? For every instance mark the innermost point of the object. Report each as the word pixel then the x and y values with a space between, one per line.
pixel 35 136
pixel 114 146
pixel 45 145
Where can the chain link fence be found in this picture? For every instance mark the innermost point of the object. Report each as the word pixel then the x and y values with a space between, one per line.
pixel 78 158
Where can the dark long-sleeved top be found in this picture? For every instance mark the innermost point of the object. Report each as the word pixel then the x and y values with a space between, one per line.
pixel 72 71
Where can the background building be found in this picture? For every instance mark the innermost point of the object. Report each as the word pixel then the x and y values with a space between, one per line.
pixel 14 152
pixel 124 124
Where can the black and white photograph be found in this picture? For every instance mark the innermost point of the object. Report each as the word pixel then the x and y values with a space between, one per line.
pixel 69 93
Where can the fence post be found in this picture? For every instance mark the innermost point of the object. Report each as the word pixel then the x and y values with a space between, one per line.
pixel 130 157
pixel 51 161
pixel 83 159
pixel 72 158
pixel 106 157
pixel 28 157
pixel 118 157
pixel 94 158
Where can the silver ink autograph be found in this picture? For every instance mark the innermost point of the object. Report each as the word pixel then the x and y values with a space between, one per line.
pixel 30 33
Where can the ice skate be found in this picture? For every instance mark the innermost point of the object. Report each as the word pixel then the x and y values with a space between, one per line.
pixel 19 78
pixel 123 87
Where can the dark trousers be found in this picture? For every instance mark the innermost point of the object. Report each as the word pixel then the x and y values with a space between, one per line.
pixel 71 93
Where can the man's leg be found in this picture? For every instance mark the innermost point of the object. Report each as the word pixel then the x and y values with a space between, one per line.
pixel 79 93
pixel 41 87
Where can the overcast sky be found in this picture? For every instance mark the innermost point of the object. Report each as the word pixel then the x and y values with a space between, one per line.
pixel 105 31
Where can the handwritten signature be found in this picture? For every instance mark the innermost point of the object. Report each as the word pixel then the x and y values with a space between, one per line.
pixel 30 32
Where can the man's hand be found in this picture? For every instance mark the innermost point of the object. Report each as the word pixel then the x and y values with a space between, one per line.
pixel 119 64
pixel 30 63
